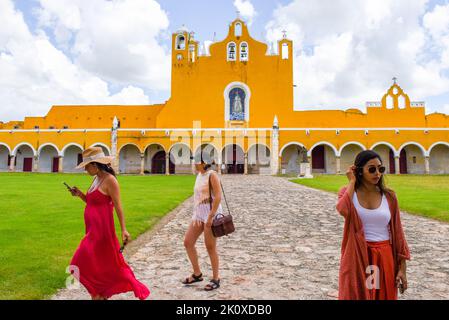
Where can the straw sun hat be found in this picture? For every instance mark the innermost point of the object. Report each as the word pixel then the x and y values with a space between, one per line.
pixel 94 154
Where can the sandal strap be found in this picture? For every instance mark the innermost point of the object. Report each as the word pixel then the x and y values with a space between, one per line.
pixel 194 277
pixel 214 284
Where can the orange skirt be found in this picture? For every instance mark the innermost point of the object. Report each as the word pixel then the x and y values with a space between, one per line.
pixel 382 282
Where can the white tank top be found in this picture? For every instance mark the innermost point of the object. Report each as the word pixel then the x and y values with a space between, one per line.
pixel 201 193
pixel 375 221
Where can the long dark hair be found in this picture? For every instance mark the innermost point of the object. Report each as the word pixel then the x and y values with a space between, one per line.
pixel 360 161
pixel 105 167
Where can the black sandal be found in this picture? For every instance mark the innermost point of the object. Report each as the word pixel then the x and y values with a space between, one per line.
pixel 212 285
pixel 195 278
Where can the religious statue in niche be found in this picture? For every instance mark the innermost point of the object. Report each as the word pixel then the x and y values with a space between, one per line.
pixel 237 104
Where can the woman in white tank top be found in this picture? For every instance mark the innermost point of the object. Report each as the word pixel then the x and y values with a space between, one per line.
pixel 207 204
pixel 373 234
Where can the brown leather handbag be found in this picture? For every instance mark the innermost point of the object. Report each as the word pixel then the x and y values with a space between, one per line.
pixel 222 225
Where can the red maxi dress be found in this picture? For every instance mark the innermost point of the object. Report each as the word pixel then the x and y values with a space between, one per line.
pixel 102 268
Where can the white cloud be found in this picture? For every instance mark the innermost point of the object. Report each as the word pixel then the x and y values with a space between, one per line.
pixel 116 40
pixel 246 9
pixel 35 74
pixel 350 56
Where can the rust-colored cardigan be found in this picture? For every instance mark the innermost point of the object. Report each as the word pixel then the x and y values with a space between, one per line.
pixel 354 251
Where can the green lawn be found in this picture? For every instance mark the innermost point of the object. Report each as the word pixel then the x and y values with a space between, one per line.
pixel 424 195
pixel 41 224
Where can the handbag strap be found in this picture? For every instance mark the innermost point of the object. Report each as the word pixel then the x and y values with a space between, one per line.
pixel 224 194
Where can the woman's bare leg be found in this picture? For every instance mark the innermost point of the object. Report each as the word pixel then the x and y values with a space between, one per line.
pixel 192 235
pixel 211 246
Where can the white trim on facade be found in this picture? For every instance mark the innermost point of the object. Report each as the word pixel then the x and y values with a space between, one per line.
pixel 72 144
pixel 291 144
pixel 336 152
pixel 349 143
pixel 154 144
pixel 129 144
pixel 46 145
pixel 226 129
pixel 436 144
pixel 180 143
pixel 386 144
pixel 14 152
pixel 258 144
pixel 6 146
pixel 205 144
pixel 424 152
pixel 100 144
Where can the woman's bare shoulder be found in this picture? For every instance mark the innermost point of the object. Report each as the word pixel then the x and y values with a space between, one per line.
pixel 111 181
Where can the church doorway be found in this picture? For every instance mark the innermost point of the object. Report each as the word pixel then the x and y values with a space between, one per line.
pixel 158 164
pixel 234 159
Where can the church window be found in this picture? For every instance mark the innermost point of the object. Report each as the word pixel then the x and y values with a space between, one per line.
pixel 231 52
pixel 192 52
pixel 243 51
pixel 390 103
pixel 284 51
pixel 401 102
pixel 238 29
pixel 179 57
pixel 180 42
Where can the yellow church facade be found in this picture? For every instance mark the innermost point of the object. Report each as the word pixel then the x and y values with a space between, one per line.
pixel 233 101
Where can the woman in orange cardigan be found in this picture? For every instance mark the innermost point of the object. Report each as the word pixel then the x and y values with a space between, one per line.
pixel 374 249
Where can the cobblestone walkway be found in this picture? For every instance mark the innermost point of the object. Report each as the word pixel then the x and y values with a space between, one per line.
pixel 286 246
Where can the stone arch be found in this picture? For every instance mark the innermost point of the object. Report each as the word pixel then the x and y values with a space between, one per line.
pixel 436 144
pixel 259 159
pixel 293 157
pixel 18 146
pixel 361 145
pixel 155 159
pixel 48 158
pixel 6 146
pixel 324 157
pixel 384 143
pixel 129 159
pixel 210 151
pixel 387 152
pixel 46 145
pixel 24 157
pixel 348 152
pixel 72 154
pixel 412 158
pixel 234 159
pixel 5 156
pixel 439 158
pixel 424 153
pixel 180 154
pixel 106 148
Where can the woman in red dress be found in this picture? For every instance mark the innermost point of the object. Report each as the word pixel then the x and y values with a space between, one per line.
pixel 102 268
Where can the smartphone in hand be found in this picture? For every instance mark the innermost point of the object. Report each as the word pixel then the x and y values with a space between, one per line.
pixel 68 187
pixel 123 246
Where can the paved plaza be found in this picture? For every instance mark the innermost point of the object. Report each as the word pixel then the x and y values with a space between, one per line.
pixel 286 246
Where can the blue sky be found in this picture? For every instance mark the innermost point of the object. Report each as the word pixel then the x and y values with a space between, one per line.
pixel 329 70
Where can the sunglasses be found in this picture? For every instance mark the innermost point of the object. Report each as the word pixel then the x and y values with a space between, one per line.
pixel 373 169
